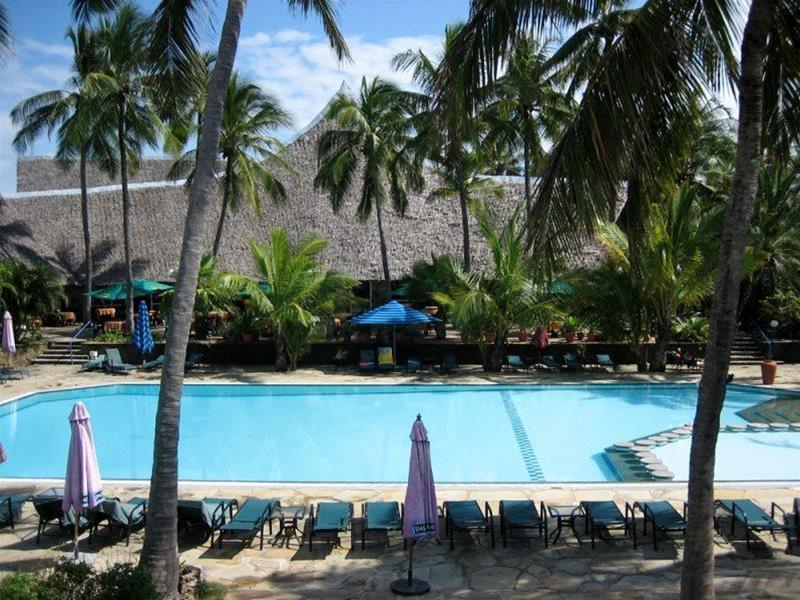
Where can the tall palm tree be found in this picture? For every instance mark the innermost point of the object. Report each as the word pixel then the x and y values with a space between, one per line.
pixel 247 149
pixel 175 49
pixel 374 128
pixel 669 53
pixel 5 33
pixel 125 86
pixel 73 114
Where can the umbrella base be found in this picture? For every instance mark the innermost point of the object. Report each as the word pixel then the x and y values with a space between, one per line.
pixel 415 587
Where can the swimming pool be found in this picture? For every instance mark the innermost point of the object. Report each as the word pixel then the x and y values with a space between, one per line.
pixel 359 433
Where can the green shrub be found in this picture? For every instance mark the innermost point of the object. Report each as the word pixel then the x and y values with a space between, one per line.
pixel 207 590
pixel 125 581
pixel 690 329
pixel 21 586
pixel 112 337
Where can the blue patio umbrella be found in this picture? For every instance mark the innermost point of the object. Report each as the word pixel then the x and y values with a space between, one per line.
pixel 393 313
pixel 142 334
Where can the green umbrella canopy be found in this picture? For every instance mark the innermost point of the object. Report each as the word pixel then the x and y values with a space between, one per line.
pixel 141 287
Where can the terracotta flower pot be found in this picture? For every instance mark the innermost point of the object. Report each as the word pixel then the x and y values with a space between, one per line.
pixel 248 337
pixel 580 335
pixel 569 336
pixel 769 368
pixel 591 336
pixel 523 336
pixel 490 338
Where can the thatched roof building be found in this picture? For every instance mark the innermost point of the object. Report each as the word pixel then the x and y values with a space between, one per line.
pixel 42 221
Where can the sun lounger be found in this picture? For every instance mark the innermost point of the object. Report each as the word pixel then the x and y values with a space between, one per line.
pixel 603 516
pixel 572 363
pixel 48 509
pixel 413 364
pixel 11 508
pixel 330 518
pixel 790 519
pixel 15 372
pixel 385 359
pixel 151 365
pixel 753 517
pixel 515 362
pixel 342 359
pixel 209 514
pixel 114 362
pixel 604 360
pixel 466 515
pixel 548 362
pixel 661 515
pixel 366 361
pixel 125 517
pixel 449 364
pixel 381 517
pixel 192 361
pixel 248 522
pixel 522 514
pixel 94 364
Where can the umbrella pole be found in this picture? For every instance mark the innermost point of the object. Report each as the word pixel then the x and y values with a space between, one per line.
pixel 410 586
pixel 75 533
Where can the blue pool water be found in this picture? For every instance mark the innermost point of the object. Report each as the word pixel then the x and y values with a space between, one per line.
pixel 335 433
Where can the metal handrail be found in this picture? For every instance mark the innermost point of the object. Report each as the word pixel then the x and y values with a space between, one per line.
pixel 765 338
pixel 75 337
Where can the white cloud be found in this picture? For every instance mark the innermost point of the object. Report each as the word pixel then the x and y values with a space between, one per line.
pixel 287 36
pixel 58 50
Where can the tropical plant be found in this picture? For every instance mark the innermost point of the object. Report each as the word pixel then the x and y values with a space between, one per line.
pixel 374 127
pixel 633 109
pixel 175 48
pixel 784 307
pixel 428 277
pixel 124 89
pixel 506 295
pixel 247 149
pixel 301 292
pixel 72 113
pixel 28 292
pixel 690 329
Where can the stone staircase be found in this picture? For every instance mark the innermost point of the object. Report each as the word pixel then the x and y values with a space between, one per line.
pixel 57 353
pixel 745 350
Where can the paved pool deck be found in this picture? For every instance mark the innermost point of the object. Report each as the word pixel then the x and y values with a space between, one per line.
pixel 522 570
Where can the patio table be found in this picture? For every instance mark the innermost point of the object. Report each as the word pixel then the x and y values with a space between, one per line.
pixel 288 518
pixel 565 515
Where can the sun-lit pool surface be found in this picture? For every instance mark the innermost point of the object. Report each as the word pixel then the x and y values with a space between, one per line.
pixel 359 433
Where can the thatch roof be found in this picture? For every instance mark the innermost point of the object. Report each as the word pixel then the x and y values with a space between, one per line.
pixel 46 225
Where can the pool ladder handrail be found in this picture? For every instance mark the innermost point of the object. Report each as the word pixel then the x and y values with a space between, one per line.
pixel 75 337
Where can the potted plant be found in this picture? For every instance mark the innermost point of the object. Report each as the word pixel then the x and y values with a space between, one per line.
pixel 569 327
pixel 230 332
pixel 523 335
pixel 591 335
pixel 247 322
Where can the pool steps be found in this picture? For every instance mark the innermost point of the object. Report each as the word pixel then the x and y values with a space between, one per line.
pixel 633 460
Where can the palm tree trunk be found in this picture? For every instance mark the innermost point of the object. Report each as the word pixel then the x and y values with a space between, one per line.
pixel 526 167
pixel 87 243
pixel 697 581
pixel 224 211
pixel 384 251
pixel 160 550
pixel 658 360
pixel 126 215
pixel 497 351
pixel 462 197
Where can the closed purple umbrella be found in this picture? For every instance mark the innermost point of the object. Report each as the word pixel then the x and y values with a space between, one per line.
pixel 82 487
pixel 9 347
pixel 421 518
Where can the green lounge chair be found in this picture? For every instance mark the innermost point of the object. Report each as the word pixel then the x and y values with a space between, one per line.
pixel 15 372
pixel 790 519
pixel 209 514
pixel 114 362
pixel 661 515
pixel 381 517
pixel 449 364
pixel 522 514
pixel 604 360
pixel 248 522
pixel 152 365
pixel 49 510
pixel 94 364
pixel 124 517
pixel 366 361
pixel 342 359
pixel 753 517
pixel 192 361
pixel 515 362
pixel 466 515
pixel 413 364
pixel 330 518
pixel 603 516
pixel 572 363
pixel 11 508
pixel 549 363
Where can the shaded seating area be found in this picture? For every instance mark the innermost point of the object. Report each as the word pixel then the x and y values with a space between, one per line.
pixel 752 517
pixel 122 518
pixel 247 523
pixel 48 510
pixel 385 359
pixel 330 519
pixel 515 362
pixel 466 516
pixel 381 517
pixel 548 362
pixel 413 364
pixel 604 361
pixel 522 514
pixel 572 363
pixel 366 361
pixel 208 514
pixel 448 364
pixel 114 362
pixel 11 508
pixel 661 516
pixel 603 516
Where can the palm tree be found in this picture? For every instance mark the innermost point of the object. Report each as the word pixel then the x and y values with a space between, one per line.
pixel 28 292
pixel 5 33
pixel 525 106
pixel 176 50
pixel 247 149
pixel 301 292
pixel 72 113
pixel 125 88
pixel 633 109
pixel 373 127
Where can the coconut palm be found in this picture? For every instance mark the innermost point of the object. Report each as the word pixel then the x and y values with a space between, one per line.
pixel 124 89
pixel 5 33
pixel 489 304
pixel 301 292
pixel 72 113
pixel 373 128
pixel 247 150
pixel 632 109
pixel 28 292
pixel 174 50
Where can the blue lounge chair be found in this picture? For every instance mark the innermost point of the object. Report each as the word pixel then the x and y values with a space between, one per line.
pixel 124 517
pixel 381 517
pixel 661 515
pixel 11 508
pixel 248 522
pixel 152 365
pixel 192 361
pixel 48 509
pixel 330 518
pixel 753 517
pixel 522 514
pixel 515 362
pixel 549 363
pixel 603 516
pixel 413 364
pixel 449 364
pixel 15 372
pixel 94 364
pixel 114 362
pixel 466 515
pixel 572 363
pixel 342 359
pixel 604 360
pixel 385 359
pixel 366 361
pixel 209 514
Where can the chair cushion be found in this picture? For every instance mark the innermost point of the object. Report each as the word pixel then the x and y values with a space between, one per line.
pixel 520 513
pixel 383 515
pixel 332 516
pixel 465 513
